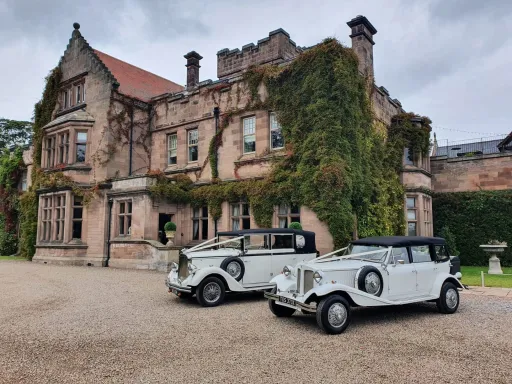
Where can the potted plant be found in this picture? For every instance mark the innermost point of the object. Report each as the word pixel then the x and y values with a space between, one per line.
pixel 170 231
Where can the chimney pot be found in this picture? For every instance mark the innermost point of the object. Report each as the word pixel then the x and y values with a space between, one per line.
pixel 193 66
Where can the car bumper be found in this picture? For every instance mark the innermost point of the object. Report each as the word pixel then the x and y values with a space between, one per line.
pixel 290 302
pixel 174 287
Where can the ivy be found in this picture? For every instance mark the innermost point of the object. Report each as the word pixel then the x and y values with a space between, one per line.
pixel 339 161
pixel 474 218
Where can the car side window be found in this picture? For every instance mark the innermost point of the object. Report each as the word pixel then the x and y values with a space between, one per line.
pixel 399 254
pixel 421 254
pixel 282 241
pixel 253 242
pixel 441 253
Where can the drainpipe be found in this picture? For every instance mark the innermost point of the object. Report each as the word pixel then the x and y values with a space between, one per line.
pixel 216 113
pixel 109 224
pixel 131 143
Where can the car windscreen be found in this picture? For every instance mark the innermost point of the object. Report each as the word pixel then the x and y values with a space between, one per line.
pixel 233 243
pixel 378 257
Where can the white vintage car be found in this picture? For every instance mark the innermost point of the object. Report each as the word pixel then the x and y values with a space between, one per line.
pixel 238 261
pixel 373 271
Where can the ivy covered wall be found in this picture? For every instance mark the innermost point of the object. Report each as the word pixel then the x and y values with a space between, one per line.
pixel 475 218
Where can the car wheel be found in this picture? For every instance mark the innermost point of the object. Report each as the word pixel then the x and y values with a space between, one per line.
pixel 369 280
pixel 333 314
pixel 279 310
pixel 448 301
pixel 234 266
pixel 211 292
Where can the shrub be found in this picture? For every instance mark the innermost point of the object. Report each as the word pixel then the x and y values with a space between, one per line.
pixel 295 225
pixel 446 234
pixel 170 226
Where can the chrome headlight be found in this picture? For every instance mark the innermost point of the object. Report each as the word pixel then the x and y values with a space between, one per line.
pixel 287 270
pixel 174 266
pixel 191 268
pixel 318 276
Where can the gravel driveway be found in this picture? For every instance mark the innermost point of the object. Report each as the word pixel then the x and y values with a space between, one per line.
pixel 90 325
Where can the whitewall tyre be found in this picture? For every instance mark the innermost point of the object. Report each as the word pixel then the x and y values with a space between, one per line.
pixel 210 292
pixel 449 299
pixel 333 314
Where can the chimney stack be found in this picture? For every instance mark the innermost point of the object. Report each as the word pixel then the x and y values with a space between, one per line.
pixel 362 43
pixel 193 68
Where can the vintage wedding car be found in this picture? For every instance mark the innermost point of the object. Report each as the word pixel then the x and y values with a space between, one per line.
pixel 238 261
pixel 373 271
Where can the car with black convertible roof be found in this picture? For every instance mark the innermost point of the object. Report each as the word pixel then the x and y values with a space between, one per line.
pixel 369 272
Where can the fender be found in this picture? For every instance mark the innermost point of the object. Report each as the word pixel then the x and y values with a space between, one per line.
pixel 285 283
pixel 440 280
pixel 201 274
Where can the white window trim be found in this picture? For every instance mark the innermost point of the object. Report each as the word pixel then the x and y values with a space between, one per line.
pixel 193 145
pixel 252 134
pixel 280 129
pixel 169 148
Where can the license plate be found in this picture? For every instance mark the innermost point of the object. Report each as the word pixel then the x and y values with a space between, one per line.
pixel 286 300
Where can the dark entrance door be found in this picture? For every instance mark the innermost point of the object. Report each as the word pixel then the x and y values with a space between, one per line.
pixel 162 219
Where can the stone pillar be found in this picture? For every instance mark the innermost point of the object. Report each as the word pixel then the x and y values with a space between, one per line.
pixel 362 43
pixel 193 66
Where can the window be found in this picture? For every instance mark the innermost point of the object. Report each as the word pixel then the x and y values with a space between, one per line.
pixel 66 99
pixel 276 136
pixel 256 242
pixel 249 126
pixel 192 145
pixel 441 253
pixel 399 254
pixel 200 223
pixel 240 216
pixel 83 93
pixel 125 218
pixel 46 232
pixel 409 157
pixel 81 146
pixel 60 216
pixel 24 181
pixel 411 216
pixel 78 94
pixel 78 210
pixel 172 149
pixel 426 216
pixel 63 149
pixel 50 152
pixel 288 214
pixel 421 254
pixel 70 98
pixel 282 241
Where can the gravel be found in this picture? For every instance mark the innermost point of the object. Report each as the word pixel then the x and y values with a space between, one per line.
pixel 90 325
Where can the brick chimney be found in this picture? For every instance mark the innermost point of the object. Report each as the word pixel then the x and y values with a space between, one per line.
pixel 193 66
pixel 362 43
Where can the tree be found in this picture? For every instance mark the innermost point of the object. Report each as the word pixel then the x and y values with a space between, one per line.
pixel 14 132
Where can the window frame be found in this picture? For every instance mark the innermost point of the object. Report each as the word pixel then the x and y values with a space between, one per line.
pixel 273 116
pixel 412 209
pixel 74 219
pixel 426 216
pixel 169 149
pixel 201 219
pixel 242 217
pixel 53 218
pixel 244 134
pixel 124 219
pixel 78 143
pixel 189 146
pixel 424 261
pixel 289 216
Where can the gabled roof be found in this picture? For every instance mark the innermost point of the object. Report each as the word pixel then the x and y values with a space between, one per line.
pixel 136 82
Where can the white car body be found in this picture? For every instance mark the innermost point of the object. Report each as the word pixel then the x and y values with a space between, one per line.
pixel 402 283
pixel 259 265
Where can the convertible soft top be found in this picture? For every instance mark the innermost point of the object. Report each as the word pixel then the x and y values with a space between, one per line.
pixel 400 241
pixel 309 237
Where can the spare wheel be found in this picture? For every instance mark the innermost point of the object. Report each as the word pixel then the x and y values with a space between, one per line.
pixel 369 280
pixel 234 266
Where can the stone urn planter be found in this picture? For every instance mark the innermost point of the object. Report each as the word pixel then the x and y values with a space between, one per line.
pixel 493 248
pixel 170 232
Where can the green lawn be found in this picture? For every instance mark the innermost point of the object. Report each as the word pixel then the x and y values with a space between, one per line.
pixel 12 258
pixel 471 276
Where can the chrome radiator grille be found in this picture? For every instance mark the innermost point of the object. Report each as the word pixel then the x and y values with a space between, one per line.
pixel 299 275
pixel 183 267
pixel 308 280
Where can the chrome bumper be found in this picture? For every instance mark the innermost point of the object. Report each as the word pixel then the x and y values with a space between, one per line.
pixel 176 287
pixel 297 304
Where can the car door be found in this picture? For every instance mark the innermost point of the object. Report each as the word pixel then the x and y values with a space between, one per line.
pixel 426 269
pixel 283 252
pixel 402 277
pixel 257 259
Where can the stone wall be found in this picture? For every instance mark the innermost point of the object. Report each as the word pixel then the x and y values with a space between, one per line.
pixel 485 172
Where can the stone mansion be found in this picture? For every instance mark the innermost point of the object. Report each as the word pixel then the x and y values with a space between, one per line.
pixel 164 126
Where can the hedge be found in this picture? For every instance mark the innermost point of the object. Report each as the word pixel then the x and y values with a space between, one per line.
pixel 475 218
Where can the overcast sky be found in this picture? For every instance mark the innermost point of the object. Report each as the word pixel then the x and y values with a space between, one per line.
pixel 447 59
